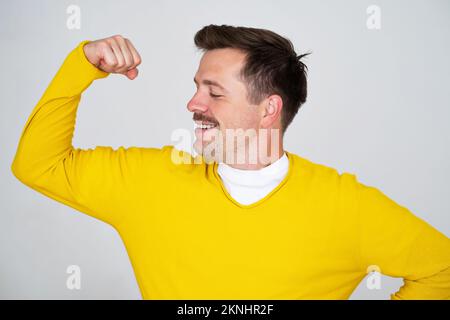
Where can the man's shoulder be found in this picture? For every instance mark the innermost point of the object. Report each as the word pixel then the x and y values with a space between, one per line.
pixel 177 160
pixel 319 172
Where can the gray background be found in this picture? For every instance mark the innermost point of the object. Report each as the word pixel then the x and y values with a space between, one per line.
pixel 378 107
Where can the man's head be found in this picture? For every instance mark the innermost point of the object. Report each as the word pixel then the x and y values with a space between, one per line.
pixel 248 78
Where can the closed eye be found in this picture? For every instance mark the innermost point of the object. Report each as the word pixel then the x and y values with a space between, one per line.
pixel 214 95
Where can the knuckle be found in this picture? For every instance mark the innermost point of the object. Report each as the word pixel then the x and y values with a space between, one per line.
pixel 110 41
pixel 103 45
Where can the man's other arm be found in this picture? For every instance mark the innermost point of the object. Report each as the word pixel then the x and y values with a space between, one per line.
pixel 402 245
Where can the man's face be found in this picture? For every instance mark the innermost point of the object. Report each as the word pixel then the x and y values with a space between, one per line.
pixel 221 97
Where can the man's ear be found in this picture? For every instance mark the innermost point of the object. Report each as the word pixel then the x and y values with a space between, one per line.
pixel 271 112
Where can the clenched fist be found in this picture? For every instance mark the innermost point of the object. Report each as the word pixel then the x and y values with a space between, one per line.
pixel 115 54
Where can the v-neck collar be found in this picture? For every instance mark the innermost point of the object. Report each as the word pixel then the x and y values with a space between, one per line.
pixel 262 200
pixel 270 175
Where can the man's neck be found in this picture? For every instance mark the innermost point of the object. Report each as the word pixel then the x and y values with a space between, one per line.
pixel 261 161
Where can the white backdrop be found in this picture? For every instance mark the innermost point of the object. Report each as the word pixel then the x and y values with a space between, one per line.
pixel 378 107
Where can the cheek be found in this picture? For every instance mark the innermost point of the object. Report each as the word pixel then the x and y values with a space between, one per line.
pixel 238 117
pixel 223 113
pixel 235 114
pixel 248 118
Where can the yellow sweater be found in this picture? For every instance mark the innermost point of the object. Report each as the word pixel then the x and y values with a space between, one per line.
pixel 313 237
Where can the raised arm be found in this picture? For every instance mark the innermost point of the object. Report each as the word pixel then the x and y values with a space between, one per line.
pixel 96 182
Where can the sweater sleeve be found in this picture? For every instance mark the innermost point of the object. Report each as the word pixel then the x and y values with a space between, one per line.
pixel 402 245
pixel 94 181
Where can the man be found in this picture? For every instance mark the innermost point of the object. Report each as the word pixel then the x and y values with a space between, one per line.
pixel 245 226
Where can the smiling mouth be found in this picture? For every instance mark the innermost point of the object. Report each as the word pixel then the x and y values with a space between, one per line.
pixel 204 126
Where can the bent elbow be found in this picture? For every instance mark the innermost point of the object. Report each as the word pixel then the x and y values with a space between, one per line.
pixel 21 171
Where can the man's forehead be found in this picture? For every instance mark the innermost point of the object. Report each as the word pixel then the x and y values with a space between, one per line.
pixel 220 65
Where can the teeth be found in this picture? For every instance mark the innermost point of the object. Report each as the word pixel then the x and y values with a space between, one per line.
pixel 206 126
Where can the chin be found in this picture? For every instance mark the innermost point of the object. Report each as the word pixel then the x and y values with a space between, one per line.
pixel 208 154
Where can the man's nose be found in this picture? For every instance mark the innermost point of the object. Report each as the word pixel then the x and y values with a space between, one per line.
pixel 196 105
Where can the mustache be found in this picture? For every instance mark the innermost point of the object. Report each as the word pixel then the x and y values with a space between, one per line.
pixel 200 117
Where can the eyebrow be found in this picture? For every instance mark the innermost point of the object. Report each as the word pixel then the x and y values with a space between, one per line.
pixel 211 83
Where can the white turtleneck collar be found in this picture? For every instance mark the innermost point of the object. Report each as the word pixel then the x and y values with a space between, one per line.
pixel 249 186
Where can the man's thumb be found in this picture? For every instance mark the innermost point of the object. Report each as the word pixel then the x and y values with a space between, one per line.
pixel 132 74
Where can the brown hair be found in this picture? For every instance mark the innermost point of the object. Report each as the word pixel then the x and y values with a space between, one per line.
pixel 272 65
